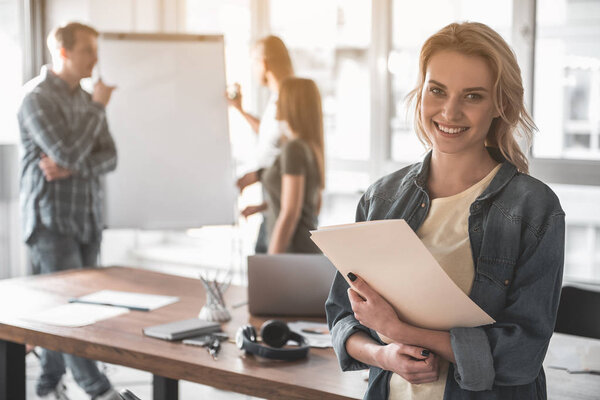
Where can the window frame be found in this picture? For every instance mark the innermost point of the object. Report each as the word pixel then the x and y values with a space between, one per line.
pixel 551 170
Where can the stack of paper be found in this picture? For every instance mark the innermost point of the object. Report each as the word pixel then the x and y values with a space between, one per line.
pixel 390 257
pixel 130 300
pixel 316 333
pixel 75 315
pixel 574 354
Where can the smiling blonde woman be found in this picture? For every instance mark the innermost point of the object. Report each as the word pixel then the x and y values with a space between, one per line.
pixel 496 231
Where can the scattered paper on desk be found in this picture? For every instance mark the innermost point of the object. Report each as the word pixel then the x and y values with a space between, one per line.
pixel 391 258
pixel 316 333
pixel 574 354
pixel 130 300
pixel 75 314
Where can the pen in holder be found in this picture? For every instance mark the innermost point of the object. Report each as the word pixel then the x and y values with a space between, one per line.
pixel 214 309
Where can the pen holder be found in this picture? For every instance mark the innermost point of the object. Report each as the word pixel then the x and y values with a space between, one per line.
pixel 214 309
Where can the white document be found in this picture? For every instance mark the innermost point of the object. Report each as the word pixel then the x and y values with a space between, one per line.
pixel 130 300
pixel 573 353
pixel 391 258
pixel 316 333
pixel 75 315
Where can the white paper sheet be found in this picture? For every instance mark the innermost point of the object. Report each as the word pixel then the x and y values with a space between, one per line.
pixel 391 258
pixel 316 333
pixel 573 353
pixel 75 314
pixel 133 301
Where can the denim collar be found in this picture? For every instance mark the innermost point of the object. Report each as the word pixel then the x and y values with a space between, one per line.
pixel 420 173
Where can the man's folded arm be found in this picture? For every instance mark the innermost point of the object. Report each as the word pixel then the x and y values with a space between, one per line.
pixel 67 146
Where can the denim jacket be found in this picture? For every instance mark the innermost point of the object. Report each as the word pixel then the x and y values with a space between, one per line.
pixel 516 230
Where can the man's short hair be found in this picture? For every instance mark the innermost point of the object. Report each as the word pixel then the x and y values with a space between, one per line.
pixel 64 36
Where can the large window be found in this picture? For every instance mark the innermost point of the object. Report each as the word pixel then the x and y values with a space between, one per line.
pixel 567 79
pixel 582 253
pixel 329 41
pixel 566 109
pixel 11 70
pixel 11 79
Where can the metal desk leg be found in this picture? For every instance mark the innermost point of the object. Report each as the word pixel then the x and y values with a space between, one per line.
pixel 165 388
pixel 12 370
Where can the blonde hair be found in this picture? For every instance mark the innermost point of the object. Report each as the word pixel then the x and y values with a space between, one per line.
pixel 299 104
pixel 65 36
pixel 276 56
pixel 476 39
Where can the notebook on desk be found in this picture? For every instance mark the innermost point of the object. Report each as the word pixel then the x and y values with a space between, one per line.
pixel 289 284
pixel 182 329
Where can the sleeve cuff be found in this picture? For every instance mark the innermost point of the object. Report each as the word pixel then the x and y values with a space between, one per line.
pixel 340 333
pixel 474 362
pixel 98 107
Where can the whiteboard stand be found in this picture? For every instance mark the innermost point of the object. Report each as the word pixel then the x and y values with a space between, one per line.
pixel 169 119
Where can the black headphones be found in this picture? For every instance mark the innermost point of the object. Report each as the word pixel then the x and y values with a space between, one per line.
pixel 276 334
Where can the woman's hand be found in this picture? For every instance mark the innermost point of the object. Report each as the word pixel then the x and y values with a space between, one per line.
pixel 372 310
pixel 250 210
pixel 415 364
pixel 247 180
pixel 233 94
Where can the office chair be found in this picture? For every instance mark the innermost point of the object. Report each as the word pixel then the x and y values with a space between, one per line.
pixel 579 312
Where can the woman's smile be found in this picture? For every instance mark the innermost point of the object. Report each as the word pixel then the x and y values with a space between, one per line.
pixel 450 130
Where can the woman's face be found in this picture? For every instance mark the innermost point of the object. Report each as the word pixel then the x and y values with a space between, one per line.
pixel 259 71
pixel 457 107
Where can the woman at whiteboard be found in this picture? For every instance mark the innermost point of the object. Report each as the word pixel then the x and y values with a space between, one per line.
pixel 497 232
pixel 271 64
pixel 293 183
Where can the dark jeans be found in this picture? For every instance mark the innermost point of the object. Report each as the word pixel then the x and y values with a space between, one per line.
pixel 50 252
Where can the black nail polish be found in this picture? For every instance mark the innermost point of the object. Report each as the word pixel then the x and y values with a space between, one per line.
pixel 351 276
pixel 425 353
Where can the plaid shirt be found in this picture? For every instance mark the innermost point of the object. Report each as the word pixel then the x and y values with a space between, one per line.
pixel 71 129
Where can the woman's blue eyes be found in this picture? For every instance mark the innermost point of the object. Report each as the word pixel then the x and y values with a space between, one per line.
pixel 470 96
pixel 474 96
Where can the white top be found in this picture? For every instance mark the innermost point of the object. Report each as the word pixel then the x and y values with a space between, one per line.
pixel 445 232
pixel 269 134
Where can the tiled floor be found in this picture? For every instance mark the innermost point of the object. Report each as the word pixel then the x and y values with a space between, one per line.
pixel 139 382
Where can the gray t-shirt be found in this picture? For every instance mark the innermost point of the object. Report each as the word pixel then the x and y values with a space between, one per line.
pixel 296 158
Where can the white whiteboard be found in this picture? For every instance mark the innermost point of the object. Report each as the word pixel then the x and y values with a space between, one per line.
pixel 168 117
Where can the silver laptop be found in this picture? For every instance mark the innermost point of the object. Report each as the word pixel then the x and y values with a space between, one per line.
pixel 289 284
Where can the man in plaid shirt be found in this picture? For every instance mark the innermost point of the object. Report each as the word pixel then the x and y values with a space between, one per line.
pixel 67 147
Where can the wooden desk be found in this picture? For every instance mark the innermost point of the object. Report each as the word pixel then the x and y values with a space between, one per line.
pixel 120 340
